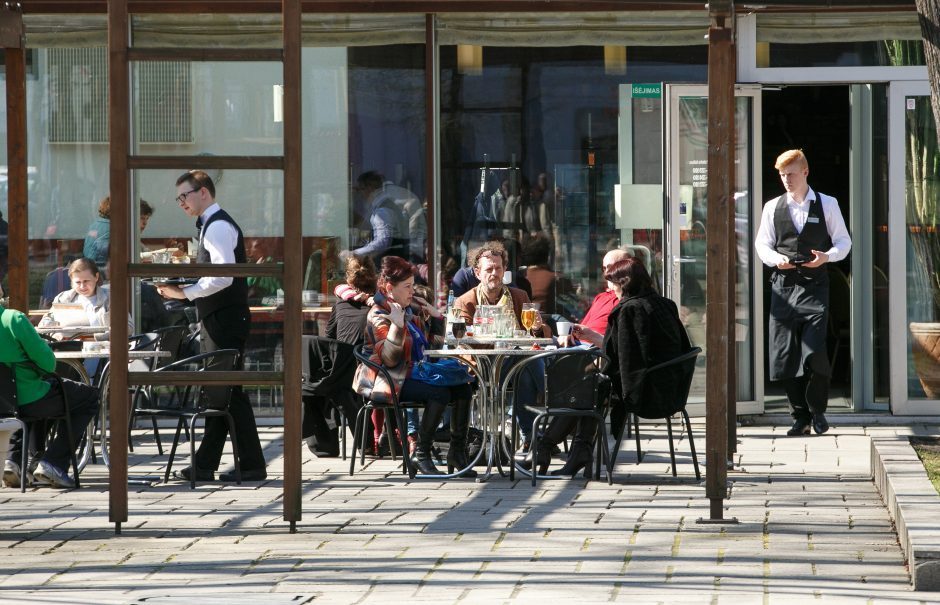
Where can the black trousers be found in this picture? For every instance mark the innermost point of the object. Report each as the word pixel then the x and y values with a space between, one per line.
pixel 797 336
pixel 83 405
pixel 228 329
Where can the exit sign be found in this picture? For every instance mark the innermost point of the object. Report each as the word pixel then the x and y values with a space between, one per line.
pixel 648 91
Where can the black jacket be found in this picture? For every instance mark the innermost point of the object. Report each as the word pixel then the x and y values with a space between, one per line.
pixel 642 331
pixel 348 322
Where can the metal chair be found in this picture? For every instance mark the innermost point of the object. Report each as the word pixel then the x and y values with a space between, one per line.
pixel 168 339
pixel 396 407
pixel 661 392
pixel 328 369
pixel 10 410
pixel 570 380
pixel 200 401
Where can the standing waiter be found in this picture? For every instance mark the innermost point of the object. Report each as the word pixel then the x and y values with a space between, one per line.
pixel 222 306
pixel 800 232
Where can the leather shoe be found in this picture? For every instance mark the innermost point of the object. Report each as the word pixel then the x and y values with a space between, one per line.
pixel 820 425
pixel 800 427
pixel 258 474
pixel 201 475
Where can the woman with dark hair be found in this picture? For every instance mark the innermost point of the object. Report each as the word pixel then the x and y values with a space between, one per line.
pixel 348 317
pixel 643 330
pixel 399 327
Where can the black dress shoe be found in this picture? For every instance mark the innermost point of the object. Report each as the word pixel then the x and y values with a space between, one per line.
pixel 201 475
pixel 800 427
pixel 820 425
pixel 258 474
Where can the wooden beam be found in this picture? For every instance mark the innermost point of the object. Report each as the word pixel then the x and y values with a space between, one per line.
pixel 206 54
pixel 17 183
pixel 206 270
pixel 182 378
pixel 720 236
pixel 12 32
pixel 119 134
pixel 205 162
pixel 431 145
pixel 365 6
pixel 293 260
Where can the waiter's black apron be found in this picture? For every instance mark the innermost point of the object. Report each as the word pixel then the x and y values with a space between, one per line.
pixel 799 298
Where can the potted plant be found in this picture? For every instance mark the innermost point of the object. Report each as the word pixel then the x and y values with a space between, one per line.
pixel 922 194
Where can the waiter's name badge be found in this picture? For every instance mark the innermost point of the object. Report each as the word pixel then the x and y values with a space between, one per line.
pixel 812 219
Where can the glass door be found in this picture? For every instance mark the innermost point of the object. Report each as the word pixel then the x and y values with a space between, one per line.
pixel 686 157
pixel 914 174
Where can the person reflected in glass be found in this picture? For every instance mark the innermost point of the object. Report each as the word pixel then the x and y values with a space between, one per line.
pixel 387 222
pixel 399 327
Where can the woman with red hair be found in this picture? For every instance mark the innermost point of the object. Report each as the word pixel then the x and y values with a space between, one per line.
pixel 399 327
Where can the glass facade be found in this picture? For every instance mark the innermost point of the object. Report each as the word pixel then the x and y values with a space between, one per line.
pixel 922 173
pixel 540 147
pixel 531 152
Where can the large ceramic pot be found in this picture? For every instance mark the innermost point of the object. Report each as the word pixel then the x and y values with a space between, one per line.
pixel 926 348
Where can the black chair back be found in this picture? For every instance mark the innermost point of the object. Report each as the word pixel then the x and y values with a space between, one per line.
pixel 572 378
pixel 9 403
pixel 363 354
pixel 213 397
pixel 663 389
pixel 170 339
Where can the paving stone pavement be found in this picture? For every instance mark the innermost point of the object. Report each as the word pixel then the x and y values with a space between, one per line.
pixel 811 528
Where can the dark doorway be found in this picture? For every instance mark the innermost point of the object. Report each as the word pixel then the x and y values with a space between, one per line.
pixel 816 119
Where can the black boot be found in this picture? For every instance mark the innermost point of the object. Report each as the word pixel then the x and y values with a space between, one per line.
pixel 544 454
pixel 579 456
pixel 422 458
pixel 457 452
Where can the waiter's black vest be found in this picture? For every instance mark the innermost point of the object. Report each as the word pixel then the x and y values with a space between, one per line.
pixel 237 293
pixel 799 246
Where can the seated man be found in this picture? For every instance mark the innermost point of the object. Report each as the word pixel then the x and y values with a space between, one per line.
pixel 40 399
pixel 593 325
pixel 489 267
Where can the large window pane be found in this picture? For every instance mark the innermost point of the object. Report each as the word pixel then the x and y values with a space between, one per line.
pixel 530 155
pixel 922 172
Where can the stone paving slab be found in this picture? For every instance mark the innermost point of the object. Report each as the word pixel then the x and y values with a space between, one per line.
pixel 811 527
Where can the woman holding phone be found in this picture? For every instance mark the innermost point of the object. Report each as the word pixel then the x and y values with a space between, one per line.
pixel 399 327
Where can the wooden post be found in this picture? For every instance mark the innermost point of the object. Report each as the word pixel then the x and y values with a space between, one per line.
pixel 11 36
pixel 719 306
pixel 431 145
pixel 293 262
pixel 119 139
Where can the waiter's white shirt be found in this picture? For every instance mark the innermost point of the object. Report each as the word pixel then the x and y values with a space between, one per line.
pixel 766 241
pixel 219 239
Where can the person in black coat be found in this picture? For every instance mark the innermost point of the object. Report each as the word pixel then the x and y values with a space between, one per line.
pixel 643 330
pixel 347 325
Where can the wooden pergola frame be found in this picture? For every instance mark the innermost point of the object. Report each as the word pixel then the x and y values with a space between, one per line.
pixel 720 371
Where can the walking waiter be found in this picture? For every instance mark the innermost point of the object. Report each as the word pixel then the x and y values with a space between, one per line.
pixel 799 233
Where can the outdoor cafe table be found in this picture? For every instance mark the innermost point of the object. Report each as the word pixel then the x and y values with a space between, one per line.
pixel 75 360
pixel 488 368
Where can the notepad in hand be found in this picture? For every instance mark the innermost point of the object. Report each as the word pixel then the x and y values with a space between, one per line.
pixel 69 315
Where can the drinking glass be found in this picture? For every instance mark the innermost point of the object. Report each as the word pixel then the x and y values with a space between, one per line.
pixel 529 311
pixel 459 328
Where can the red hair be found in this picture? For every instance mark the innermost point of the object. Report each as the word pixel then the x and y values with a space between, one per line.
pixel 395 270
pixel 631 275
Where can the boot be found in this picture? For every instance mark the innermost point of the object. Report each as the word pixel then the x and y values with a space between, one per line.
pixel 543 460
pixel 556 432
pixel 422 459
pixel 457 452
pixel 579 456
